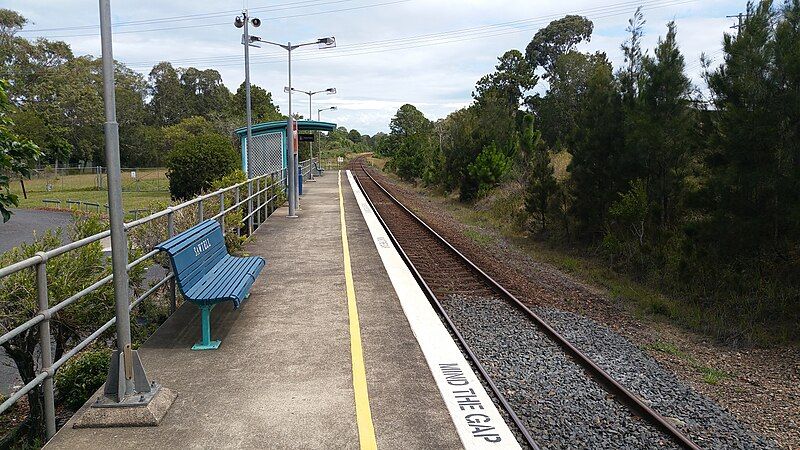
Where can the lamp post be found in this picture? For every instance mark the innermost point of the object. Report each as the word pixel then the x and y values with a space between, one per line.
pixel 291 157
pixel 242 22
pixel 331 108
pixel 127 382
pixel 310 94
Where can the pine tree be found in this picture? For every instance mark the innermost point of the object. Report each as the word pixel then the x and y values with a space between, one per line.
pixel 542 185
pixel 661 126
pixel 598 152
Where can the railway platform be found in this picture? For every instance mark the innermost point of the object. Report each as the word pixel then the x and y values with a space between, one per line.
pixel 335 348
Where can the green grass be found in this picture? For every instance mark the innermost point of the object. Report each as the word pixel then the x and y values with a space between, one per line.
pixel 148 188
pixel 478 236
pixel 710 374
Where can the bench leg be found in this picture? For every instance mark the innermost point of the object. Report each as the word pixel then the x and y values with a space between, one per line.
pixel 205 323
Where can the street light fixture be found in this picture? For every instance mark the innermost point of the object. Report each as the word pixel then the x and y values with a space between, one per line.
pixel 327 42
pixel 310 94
pixel 332 108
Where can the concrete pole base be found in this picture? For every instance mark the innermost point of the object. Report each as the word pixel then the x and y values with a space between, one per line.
pixel 129 413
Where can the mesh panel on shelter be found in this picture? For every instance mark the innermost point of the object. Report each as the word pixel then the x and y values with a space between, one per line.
pixel 265 154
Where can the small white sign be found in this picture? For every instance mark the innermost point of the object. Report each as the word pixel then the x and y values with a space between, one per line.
pixel 133 174
pixel 340 159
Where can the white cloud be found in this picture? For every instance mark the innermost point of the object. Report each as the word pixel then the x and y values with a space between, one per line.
pixel 373 80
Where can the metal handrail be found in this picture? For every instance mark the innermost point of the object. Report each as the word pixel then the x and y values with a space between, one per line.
pixel 255 201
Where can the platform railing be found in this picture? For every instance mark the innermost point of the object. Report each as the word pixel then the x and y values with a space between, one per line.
pixel 259 201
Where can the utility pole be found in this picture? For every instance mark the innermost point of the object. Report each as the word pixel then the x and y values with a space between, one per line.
pixel 246 43
pixel 742 17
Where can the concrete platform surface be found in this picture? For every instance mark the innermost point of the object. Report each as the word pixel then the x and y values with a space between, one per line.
pixel 283 376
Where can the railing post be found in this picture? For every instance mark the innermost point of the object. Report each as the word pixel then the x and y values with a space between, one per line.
pixel 236 202
pixel 44 347
pixel 200 211
pixel 173 303
pixel 249 207
pixel 258 202
pixel 221 213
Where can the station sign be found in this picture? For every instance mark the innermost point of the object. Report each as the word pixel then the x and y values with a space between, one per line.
pixel 306 138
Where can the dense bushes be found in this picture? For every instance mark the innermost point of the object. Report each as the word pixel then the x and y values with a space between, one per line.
pixel 198 161
pixel 82 376
pixel 694 195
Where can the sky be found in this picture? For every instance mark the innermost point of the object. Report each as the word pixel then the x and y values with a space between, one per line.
pixel 388 53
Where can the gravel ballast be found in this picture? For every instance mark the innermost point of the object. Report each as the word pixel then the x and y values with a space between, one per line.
pixel 561 406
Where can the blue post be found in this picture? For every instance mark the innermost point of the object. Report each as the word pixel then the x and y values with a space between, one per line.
pixel 205 323
pixel 300 180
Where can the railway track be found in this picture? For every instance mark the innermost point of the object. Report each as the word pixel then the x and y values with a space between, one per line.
pixel 446 274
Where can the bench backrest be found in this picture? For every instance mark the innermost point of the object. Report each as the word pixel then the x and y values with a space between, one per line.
pixel 195 251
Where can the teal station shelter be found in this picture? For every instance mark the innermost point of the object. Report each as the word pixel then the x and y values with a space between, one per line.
pixel 270 145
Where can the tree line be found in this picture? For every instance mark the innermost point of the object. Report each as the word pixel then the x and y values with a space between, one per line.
pixel 58 103
pixel 694 190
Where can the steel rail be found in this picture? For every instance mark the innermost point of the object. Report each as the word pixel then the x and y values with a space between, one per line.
pixel 626 396
pixel 438 305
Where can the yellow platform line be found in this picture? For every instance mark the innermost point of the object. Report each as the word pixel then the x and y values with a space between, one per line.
pixel 366 430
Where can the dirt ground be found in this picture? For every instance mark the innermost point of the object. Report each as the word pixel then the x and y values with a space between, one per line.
pixel 760 386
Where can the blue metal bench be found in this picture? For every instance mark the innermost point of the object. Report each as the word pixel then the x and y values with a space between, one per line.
pixel 207 274
pixel 318 168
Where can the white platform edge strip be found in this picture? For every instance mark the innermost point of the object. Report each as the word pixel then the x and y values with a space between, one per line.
pixel 475 416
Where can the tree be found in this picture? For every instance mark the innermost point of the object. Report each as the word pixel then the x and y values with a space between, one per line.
pixel 485 172
pixel 754 178
pixel 557 111
pixel 198 161
pixel 513 76
pixel 411 132
pixel 661 127
pixel 15 155
pixel 556 39
pixel 262 107
pixel 542 184
pixel 597 168
pixel 204 92
pixel 168 103
pixel 354 136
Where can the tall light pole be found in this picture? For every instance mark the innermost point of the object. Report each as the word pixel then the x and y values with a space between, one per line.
pixel 126 380
pixel 242 22
pixel 310 94
pixel 329 91
pixel 331 108
pixel 291 157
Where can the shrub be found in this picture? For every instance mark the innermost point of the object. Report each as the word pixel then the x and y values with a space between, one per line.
pixel 485 172
pixel 82 376
pixel 197 162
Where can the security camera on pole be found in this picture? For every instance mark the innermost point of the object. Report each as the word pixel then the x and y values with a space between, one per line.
pixel 291 148
pixel 242 22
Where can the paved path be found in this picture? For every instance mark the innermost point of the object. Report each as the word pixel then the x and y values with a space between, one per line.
pixel 284 375
pixel 25 222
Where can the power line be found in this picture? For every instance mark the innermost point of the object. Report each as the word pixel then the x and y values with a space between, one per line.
pixel 278 7
pixel 217 24
pixel 444 37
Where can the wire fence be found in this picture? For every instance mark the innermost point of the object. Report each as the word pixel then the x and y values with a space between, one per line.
pixel 62 179
pixel 244 205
